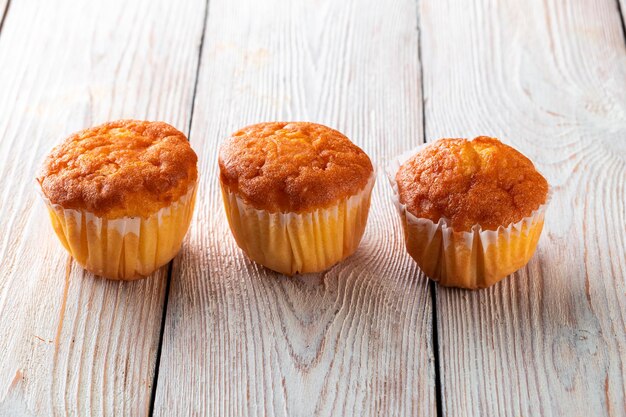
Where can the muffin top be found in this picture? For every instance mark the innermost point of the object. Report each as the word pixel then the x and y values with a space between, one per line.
pixel 292 167
pixel 482 182
pixel 122 168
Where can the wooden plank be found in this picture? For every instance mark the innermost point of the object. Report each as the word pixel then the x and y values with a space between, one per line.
pixel 73 344
pixel 356 340
pixel 548 77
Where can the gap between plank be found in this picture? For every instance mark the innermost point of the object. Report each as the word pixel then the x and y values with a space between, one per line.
pixel 6 12
pixel 421 67
pixel 431 284
pixel 620 12
pixel 157 363
pixel 166 297
pixel 195 85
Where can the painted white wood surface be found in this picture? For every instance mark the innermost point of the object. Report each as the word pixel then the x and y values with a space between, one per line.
pixel 356 340
pixel 73 344
pixel 548 77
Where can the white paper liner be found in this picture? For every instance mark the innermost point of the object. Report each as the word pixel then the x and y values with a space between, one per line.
pixel 477 241
pixel 293 243
pixel 123 248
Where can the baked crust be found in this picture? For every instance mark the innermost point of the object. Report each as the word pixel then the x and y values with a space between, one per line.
pixel 482 182
pixel 124 168
pixel 292 167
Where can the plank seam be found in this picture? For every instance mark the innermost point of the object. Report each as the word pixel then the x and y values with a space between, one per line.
pixel 200 48
pixel 166 297
pixel 435 337
pixel 621 19
pixel 431 284
pixel 157 363
pixel 6 12
pixel 421 68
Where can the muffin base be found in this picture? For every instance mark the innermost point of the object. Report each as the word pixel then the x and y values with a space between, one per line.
pixel 125 248
pixel 466 259
pixel 292 243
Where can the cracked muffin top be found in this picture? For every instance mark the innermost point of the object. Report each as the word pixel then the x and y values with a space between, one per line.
pixel 479 182
pixel 292 167
pixel 119 169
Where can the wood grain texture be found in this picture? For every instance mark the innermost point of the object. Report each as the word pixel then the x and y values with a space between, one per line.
pixel 548 77
pixel 356 340
pixel 74 344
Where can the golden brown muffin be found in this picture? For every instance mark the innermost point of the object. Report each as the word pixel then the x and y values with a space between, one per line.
pixel 296 195
pixel 121 196
pixel 482 182
pixel 121 168
pixel 289 167
pixel 472 211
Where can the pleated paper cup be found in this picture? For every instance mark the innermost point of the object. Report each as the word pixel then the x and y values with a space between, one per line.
pixel 125 248
pixel 466 259
pixel 298 243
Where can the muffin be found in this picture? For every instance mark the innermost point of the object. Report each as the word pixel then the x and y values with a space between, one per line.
pixel 296 195
pixel 472 211
pixel 121 196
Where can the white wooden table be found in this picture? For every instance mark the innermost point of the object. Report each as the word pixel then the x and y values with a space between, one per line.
pixel 213 334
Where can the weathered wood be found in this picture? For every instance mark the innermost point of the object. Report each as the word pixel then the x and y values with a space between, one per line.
pixel 241 340
pixel 73 344
pixel 548 77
